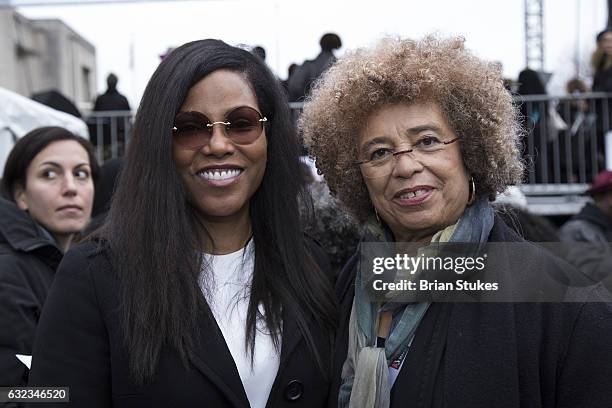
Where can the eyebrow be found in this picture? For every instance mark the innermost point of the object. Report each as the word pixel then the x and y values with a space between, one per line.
pixel 409 132
pixel 422 128
pixel 49 163
pixel 55 164
pixel 230 110
pixel 375 141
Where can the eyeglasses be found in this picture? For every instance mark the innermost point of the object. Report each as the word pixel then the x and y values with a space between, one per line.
pixel 380 161
pixel 193 129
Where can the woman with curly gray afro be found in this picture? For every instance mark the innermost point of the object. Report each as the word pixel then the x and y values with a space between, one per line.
pixel 415 138
pixel 468 91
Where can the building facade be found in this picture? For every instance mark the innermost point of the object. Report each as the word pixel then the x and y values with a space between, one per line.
pixel 42 55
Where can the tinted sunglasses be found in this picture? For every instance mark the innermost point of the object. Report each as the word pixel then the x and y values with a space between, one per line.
pixel 193 129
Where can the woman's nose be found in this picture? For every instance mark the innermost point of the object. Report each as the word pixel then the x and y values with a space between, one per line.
pixel 70 187
pixel 406 164
pixel 220 144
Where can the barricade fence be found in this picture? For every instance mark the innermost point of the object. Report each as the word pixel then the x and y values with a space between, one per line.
pixel 109 132
pixel 566 137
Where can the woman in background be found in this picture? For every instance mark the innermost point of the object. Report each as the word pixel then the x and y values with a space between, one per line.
pixel 48 189
pixel 601 61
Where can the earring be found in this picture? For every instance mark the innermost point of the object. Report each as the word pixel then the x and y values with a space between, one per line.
pixel 377 217
pixel 472 192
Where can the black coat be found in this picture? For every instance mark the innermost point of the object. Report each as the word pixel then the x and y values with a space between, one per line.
pixel 111 100
pixel 28 259
pixel 305 75
pixel 602 80
pixel 502 355
pixel 591 233
pixel 79 345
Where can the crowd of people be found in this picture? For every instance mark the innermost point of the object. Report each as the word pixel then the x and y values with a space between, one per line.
pixel 567 137
pixel 202 279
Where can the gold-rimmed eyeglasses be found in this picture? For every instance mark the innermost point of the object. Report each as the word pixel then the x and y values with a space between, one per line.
pixel 193 129
pixel 379 161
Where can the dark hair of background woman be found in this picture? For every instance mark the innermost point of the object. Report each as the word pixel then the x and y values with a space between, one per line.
pixel 26 149
pixel 153 230
pixel 530 83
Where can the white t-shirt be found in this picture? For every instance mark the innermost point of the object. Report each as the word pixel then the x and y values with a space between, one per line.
pixel 228 298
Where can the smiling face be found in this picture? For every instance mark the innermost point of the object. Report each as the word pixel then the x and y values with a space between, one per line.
pixel 59 189
pixel 421 193
pixel 221 176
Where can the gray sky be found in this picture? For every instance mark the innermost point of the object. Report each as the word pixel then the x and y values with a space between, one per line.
pixel 289 30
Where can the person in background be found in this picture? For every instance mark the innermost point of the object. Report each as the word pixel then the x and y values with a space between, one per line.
pixel 535 121
pixel 105 188
pixel 307 73
pixel 290 71
pixel 592 227
pixel 201 288
pixel 259 51
pixel 328 223
pixel 107 125
pixel 47 189
pixel 511 207
pixel 601 62
pixel 415 138
pixel 111 100
pixel 575 142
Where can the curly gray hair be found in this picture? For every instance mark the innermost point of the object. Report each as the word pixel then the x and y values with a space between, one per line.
pixel 469 92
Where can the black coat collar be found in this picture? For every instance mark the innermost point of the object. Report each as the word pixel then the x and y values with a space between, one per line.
pixel 219 365
pixel 590 212
pixel 19 231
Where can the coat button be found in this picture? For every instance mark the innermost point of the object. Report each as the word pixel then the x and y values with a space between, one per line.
pixel 294 390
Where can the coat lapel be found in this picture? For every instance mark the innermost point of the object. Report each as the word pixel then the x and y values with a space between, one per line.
pixel 214 360
pixel 292 336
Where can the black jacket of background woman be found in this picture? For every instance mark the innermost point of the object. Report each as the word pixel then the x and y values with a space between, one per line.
pixel 82 306
pixel 28 259
pixel 502 355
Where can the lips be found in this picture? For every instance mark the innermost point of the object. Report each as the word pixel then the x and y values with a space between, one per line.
pixel 413 196
pixel 70 207
pixel 220 175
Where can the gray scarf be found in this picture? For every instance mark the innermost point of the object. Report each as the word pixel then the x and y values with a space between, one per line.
pixel 365 374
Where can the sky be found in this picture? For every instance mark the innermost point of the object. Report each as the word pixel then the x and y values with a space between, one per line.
pixel 130 37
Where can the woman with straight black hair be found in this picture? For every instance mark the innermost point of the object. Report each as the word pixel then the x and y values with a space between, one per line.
pixel 201 288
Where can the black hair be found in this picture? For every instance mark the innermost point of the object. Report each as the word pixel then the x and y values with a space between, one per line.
pixel 530 83
pixel 259 51
pixel 532 227
pixel 600 35
pixel 109 174
pixel 112 80
pixel 26 149
pixel 152 230
pixel 330 42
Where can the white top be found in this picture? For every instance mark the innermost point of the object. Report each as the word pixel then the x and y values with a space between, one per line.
pixel 228 298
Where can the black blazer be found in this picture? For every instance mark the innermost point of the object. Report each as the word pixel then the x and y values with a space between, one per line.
pixel 502 355
pixel 79 345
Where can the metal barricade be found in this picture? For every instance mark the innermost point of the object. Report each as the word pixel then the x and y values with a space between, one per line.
pixel 564 147
pixel 564 141
pixel 109 132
